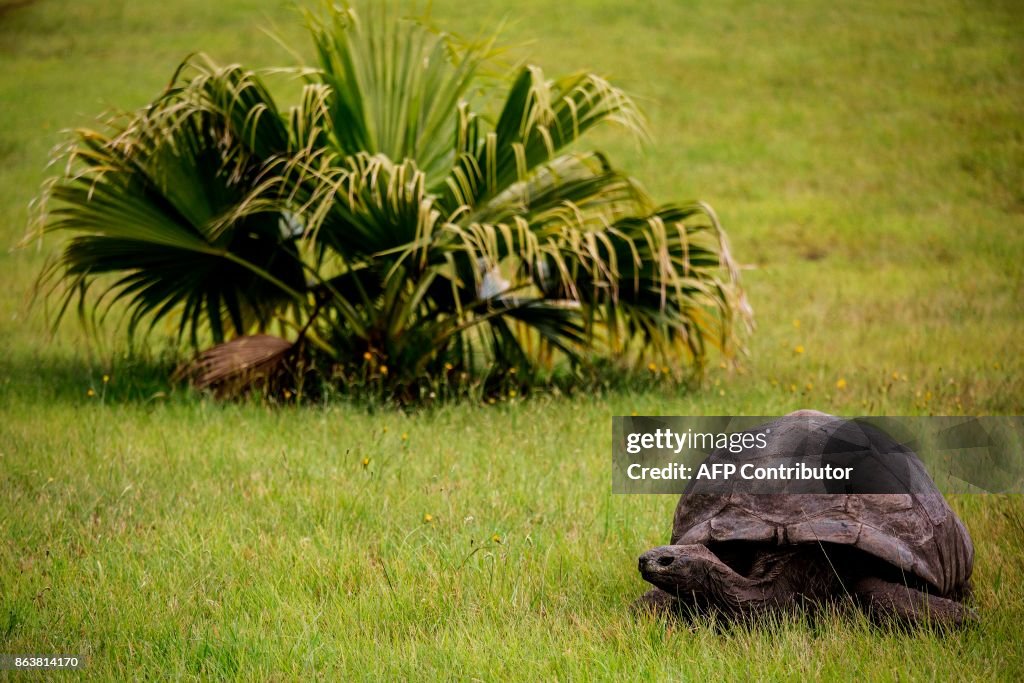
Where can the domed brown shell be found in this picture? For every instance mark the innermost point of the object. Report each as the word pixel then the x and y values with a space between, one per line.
pixel 916 531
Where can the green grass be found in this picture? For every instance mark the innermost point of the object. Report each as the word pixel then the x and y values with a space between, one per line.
pixel 868 160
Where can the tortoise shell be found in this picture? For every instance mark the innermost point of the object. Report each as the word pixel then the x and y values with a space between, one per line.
pixel 914 531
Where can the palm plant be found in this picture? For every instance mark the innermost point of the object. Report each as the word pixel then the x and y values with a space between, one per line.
pixel 398 217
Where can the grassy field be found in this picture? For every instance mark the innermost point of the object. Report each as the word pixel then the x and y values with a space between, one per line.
pixel 868 161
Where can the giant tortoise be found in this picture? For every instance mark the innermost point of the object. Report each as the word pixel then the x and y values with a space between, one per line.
pixel 902 555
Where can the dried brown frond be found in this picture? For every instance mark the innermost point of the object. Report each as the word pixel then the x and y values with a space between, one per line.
pixel 234 367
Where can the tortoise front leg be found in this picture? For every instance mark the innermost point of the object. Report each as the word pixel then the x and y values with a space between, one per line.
pixel 909 605
pixel 657 601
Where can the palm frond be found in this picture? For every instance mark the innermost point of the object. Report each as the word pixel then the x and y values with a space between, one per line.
pixel 156 200
pixel 395 84
pixel 236 365
pixel 539 118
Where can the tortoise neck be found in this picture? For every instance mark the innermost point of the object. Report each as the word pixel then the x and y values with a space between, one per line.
pixel 732 589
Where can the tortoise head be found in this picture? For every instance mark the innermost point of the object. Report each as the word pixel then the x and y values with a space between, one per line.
pixel 685 570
